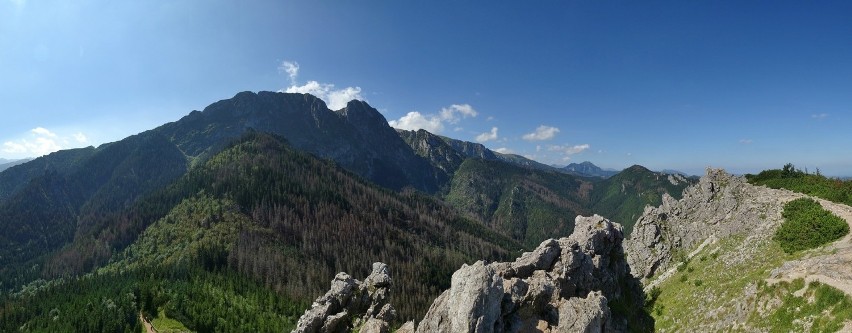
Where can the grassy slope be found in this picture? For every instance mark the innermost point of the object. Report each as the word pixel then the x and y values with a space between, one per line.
pixel 724 284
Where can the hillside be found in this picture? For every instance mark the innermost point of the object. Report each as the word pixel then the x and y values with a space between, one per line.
pixel 263 211
pixel 711 261
pixel 530 201
pixel 623 196
pixel 527 204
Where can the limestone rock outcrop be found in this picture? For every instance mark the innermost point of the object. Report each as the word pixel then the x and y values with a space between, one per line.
pixel 350 303
pixel 720 205
pixel 564 285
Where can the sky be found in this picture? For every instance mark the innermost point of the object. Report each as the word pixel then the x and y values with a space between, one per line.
pixel 685 85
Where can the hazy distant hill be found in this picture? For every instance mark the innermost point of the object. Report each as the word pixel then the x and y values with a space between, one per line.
pixel 5 164
pixel 588 169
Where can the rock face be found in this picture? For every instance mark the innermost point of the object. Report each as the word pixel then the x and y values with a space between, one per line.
pixel 720 205
pixel 352 304
pixel 563 285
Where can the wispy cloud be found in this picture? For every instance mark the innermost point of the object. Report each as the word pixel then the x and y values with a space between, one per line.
pixel 435 123
pixel 333 97
pixel 40 141
pixel 291 68
pixel 43 131
pixel 487 136
pixel 504 150
pixel 567 150
pixel 541 133
pixel 746 141
pixel 819 116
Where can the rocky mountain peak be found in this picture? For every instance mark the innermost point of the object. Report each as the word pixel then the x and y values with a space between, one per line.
pixel 363 115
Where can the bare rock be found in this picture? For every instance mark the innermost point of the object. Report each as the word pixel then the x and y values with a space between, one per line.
pixel 408 327
pixel 349 302
pixel 589 314
pixel 474 301
pixel 561 286
pixel 718 206
pixel 374 325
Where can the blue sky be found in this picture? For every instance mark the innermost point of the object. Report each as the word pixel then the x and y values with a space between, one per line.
pixel 744 85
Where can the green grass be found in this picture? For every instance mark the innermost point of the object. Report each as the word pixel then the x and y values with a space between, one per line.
pixel 807 225
pixel 163 324
pixel 811 184
pixel 686 298
pixel 820 308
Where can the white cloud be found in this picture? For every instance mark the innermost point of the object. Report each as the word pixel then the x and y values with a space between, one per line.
pixel 487 136
pixel 291 68
pixel 745 141
pixel 43 131
pixel 504 150
pixel 455 112
pixel 820 116
pixel 40 141
pixel 541 133
pixel 567 151
pixel 435 123
pixel 415 120
pixel 15 148
pixel 335 98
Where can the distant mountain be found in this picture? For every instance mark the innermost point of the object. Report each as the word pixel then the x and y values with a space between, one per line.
pixel 623 196
pixel 357 137
pixel 447 154
pixel 5 164
pixel 530 201
pixel 676 172
pixel 588 169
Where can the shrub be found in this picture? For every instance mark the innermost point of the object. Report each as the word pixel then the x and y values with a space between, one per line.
pixel 807 225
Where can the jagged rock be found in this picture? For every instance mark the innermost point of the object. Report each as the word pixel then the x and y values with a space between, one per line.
pixel 718 206
pixel 562 286
pixel 541 258
pixel 351 302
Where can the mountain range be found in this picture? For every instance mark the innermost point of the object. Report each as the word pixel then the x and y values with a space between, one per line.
pixel 278 189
